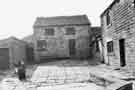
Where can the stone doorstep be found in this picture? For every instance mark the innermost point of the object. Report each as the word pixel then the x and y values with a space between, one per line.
pixel 100 77
pixel 109 82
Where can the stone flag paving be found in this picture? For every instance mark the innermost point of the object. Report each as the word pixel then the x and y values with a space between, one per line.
pixel 14 84
pixel 66 75
pixel 54 74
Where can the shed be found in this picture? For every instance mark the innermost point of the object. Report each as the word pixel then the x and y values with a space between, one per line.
pixel 12 50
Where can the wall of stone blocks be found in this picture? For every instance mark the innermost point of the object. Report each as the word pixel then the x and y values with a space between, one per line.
pixel 57 45
pixel 17 52
pixel 122 27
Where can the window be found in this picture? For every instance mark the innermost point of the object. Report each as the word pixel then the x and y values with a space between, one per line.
pixel 108 21
pixel 110 46
pixel 70 31
pixel 49 31
pixel 41 45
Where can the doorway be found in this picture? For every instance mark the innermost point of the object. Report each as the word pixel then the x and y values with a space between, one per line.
pixel 4 58
pixel 72 49
pixel 122 52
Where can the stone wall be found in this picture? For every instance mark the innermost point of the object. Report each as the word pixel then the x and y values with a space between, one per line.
pixel 58 44
pixel 122 27
pixel 17 52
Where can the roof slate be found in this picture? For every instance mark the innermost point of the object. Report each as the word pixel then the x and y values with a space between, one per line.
pixel 62 20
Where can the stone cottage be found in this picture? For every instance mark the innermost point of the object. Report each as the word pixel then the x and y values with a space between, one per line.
pixel 61 37
pixel 12 50
pixel 118 33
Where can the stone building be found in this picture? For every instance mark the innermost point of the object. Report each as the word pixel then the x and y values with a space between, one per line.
pixel 61 37
pixel 12 50
pixel 118 33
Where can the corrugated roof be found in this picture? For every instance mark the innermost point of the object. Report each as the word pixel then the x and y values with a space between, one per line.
pixel 62 20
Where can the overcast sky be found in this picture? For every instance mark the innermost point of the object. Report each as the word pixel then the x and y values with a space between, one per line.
pixel 17 16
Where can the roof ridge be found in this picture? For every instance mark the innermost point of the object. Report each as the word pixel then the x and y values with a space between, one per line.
pixel 42 17
pixel 62 20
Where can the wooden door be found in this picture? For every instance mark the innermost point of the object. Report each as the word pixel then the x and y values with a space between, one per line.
pixel 122 52
pixel 72 49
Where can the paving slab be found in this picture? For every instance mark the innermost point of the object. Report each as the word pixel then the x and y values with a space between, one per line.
pixel 64 75
pixel 73 86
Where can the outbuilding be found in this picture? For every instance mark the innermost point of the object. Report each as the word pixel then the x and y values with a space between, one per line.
pixel 12 50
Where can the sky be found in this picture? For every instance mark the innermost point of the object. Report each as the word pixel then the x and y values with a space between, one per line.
pixel 17 16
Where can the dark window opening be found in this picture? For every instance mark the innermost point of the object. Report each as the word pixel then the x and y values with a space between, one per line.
pixel 108 21
pixel 70 31
pixel 49 31
pixel 41 45
pixel 110 46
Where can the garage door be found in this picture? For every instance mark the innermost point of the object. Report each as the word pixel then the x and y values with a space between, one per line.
pixel 4 58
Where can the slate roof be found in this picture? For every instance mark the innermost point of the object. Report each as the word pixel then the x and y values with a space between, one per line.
pixel 62 20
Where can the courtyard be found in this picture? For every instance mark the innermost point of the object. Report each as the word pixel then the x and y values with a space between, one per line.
pixel 68 75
